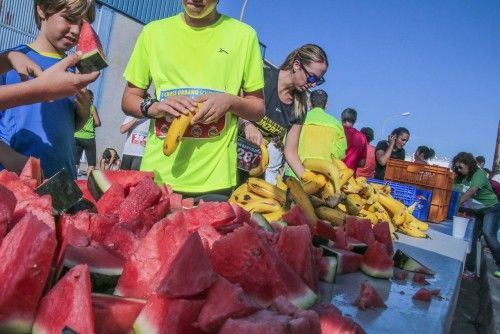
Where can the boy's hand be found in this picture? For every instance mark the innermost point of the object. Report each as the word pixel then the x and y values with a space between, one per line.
pixel 215 106
pixel 252 134
pixel 83 99
pixel 23 65
pixel 58 83
pixel 173 106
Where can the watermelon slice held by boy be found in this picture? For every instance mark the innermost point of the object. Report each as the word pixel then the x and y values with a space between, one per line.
pixel 93 58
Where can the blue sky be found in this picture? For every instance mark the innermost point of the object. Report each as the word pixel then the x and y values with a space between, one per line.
pixel 438 60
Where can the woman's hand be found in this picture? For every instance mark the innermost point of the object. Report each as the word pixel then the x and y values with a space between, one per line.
pixel 215 106
pixel 252 134
pixel 171 107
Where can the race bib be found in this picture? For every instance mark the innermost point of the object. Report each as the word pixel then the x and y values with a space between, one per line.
pixel 249 155
pixel 197 131
pixel 138 139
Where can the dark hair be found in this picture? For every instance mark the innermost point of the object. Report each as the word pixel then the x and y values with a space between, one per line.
pixel 349 115
pixel 399 131
pixel 318 98
pixel 427 152
pixel 106 155
pixel 480 159
pixel 368 132
pixel 467 159
pixel 91 93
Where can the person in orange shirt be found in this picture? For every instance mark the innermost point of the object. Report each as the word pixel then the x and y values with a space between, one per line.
pixel 368 170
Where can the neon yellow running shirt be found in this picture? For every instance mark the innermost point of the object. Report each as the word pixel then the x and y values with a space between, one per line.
pixel 182 60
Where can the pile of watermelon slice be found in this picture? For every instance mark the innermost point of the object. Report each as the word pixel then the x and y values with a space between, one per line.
pixel 144 258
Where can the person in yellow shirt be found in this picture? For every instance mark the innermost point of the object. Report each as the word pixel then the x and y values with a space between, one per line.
pixel 198 56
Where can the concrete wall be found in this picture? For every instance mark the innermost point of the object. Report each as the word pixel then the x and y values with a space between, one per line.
pixel 122 40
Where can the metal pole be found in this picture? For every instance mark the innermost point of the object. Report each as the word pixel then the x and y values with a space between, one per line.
pixel 243 9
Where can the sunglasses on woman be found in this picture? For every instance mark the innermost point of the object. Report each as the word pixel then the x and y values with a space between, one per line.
pixel 312 78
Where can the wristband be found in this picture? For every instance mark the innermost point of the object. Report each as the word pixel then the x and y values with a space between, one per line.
pixel 146 104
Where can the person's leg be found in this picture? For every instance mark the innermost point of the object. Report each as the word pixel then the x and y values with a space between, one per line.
pixel 470 261
pixel 491 223
pixel 276 161
pixel 78 152
pixel 90 153
pixel 127 162
pixel 136 163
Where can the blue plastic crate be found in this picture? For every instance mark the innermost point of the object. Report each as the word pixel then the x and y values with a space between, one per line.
pixel 452 207
pixel 424 198
pixel 402 192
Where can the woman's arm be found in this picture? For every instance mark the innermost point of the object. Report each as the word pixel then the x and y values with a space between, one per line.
pixel 10 159
pixel 382 156
pixel 124 128
pixel 468 194
pixel 291 150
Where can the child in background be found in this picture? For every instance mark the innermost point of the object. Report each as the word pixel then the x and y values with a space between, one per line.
pixel 46 130
pixel 110 160
pixel 85 138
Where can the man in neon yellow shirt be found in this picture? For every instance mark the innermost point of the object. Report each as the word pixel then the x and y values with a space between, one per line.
pixel 322 135
pixel 198 56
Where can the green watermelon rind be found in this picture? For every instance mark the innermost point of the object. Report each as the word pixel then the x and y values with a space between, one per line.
pixel 370 271
pixel 98 183
pixel 406 262
pixel 92 61
pixel 260 220
pixel 332 270
pixel 16 326
pixel 305 300
pixel 141 325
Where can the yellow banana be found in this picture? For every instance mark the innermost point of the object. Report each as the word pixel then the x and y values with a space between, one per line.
pixel 345 173
pixel 412 207
pixel 361 180
pixel 316 201
pixel 351 186
pixel 352 208
pixel 390 204
pixel 265 189
pixel 301 199
pixel 411 231
pixel 264 161
pixel 334 216
pixel 333 201
pixel 240 190
pixel 342 207
pixel 326 168
pixel 280 184
pixel 248 197
pixel 399 218
pixel 274 216
pixel 368 215
pixel 328 190
pixel 264 206
pixel 414 222
pixel 356 200
pixel 312 182
pixel 176 131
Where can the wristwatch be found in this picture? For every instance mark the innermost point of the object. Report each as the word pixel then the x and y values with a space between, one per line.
pixel 145 104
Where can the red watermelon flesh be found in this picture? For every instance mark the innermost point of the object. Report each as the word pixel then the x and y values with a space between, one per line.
pixel 67 304
pixel 423 294
pixel 172 316
pixel 99 259
pixel 175 201
pixel 111 200
pixel 88 40
pixel 295 248
pixel 8 198
pixel 376 262
pixel 383 235
pixel 190 258
pixel 303 321
pixel 243 257
pixel 351 226
pixel 12 182
pixel 332 321
pixel 212 213
pixel 419 279
pixel 327 269
pixel 101 225
pixel 261 322
pixel 115 315
pixel 144 195
pixel 5 220
pixel 225 300
pixel 127 178
pixel 340 238
pixel 400 275
pixel 32 172
pixel 368 297
pixel 122 240
pixel 154 214
pixel 39 206
pixel 208 235
pixel 93 58
pixel 296 216
pixel 82 184
pixel 26 253
pixel 325 230
pixel 347 261
pixel 364 232
pixel 156 249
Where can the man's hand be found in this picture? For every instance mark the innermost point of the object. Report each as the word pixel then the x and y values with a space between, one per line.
pixel 215 106
pixel 55 82
pixel 173 106
pixel 83 100
pixel 23 65
pixel 252 134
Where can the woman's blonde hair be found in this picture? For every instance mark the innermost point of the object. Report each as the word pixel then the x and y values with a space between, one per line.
pixel 75 9
pixel 306 54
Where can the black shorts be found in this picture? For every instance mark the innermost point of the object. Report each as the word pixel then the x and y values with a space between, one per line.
pixel 131 162
pixel 90 151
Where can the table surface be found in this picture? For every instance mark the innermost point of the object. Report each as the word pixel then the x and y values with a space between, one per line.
pixel 443 253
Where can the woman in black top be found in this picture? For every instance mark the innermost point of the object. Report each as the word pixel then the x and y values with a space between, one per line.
pixel 390 149
pixel 286 103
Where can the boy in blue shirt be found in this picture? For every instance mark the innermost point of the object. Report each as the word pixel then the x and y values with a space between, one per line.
pixel 45 130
